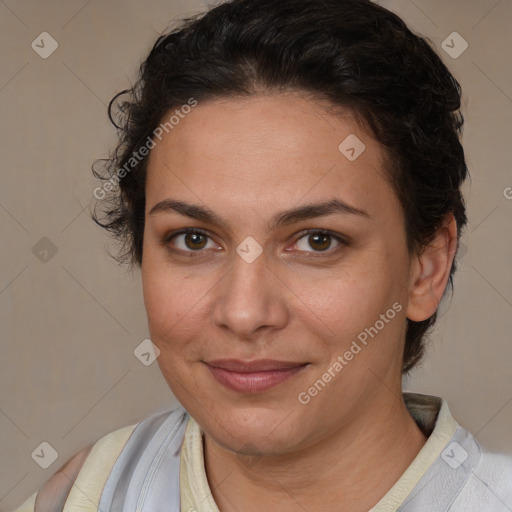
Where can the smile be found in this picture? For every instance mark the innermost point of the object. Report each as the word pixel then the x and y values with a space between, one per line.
pixel 253 377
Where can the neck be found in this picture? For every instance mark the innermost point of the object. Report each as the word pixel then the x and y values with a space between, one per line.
pixel 350 470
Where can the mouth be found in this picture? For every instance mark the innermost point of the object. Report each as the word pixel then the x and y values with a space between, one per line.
pixel 252 376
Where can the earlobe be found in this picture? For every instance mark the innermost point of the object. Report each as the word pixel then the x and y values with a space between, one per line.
pixel 431 272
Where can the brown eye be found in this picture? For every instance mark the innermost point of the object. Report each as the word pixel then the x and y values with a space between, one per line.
pixel 190 240
pixel 195 240
pixel 319 241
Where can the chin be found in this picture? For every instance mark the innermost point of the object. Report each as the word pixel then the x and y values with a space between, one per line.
pixel 252 430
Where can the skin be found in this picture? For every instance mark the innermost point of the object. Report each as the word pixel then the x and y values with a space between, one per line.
pixel 247 160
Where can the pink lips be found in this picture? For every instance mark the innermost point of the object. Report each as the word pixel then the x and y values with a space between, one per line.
pixel 252 376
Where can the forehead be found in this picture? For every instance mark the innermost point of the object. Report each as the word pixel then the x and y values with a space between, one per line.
pixel 278 148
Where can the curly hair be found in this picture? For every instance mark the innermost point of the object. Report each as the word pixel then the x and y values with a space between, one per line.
pixel 353 53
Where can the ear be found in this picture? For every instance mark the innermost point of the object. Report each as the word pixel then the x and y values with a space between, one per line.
pixel 430 272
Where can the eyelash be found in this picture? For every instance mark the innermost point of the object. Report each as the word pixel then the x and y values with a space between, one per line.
pixel 343 242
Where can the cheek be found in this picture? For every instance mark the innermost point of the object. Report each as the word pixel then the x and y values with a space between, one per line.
pixel 177 310
pixel 362 303
pixel 348 295
pixel 165 298
pixel 168 312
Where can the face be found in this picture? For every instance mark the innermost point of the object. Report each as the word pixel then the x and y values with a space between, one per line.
pixel 275 271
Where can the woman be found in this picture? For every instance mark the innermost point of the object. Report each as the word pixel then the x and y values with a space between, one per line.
pixel 288 179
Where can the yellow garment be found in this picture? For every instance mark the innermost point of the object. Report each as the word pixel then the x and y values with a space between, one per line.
pixel 196 495
pixel 86 491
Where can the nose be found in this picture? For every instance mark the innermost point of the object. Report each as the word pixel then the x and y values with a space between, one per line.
pixel 251 299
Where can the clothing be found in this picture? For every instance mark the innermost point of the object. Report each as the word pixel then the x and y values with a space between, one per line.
pixel 158 466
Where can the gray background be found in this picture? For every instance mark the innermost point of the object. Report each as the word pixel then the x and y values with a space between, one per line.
pixel 69 325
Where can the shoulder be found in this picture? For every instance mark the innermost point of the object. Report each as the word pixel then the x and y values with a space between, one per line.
pixel 489 484
pixel 53 495
pixel 495 469
pixel 91 466
pixel 54 492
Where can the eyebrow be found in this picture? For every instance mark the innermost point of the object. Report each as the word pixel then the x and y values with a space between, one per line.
pixel 309 211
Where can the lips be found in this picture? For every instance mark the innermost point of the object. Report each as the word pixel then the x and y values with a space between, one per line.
pixel 252 376
pixel 259 365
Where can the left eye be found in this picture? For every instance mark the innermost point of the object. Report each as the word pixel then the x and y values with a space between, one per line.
pixel 192 241
pixel 320 241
